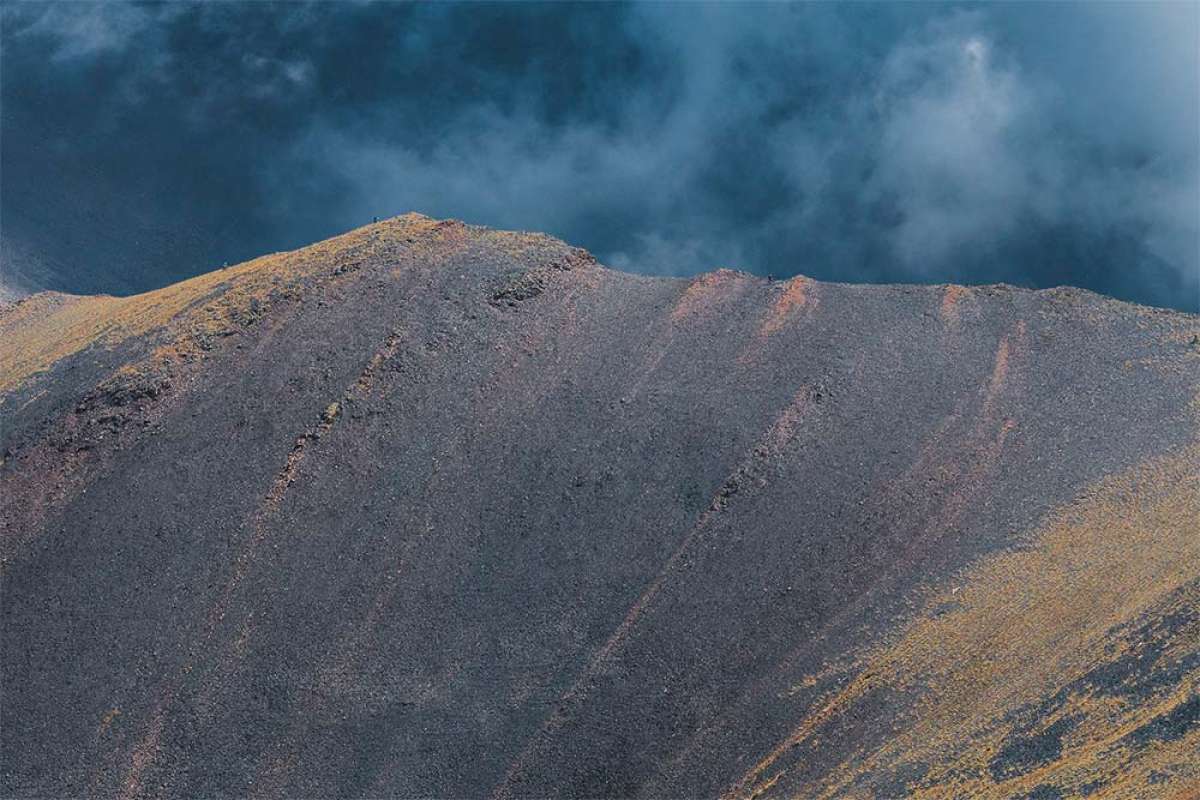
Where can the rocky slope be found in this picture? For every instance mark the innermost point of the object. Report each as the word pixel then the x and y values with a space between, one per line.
pixel 429 510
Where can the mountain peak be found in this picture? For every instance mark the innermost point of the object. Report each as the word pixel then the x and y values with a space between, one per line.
pixel 428 509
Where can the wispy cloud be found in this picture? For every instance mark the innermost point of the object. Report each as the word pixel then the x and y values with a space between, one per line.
pixel 1033 144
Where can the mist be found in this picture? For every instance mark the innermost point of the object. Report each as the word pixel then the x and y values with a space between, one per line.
pixel 1033 144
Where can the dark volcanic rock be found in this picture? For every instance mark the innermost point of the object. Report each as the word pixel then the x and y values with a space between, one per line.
pixel 429 510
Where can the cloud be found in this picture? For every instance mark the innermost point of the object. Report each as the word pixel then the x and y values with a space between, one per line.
pixel 950 159
pixel 78 30
pixel 888 142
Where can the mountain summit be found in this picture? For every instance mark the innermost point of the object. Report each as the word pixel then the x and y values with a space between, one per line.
pixel 431 510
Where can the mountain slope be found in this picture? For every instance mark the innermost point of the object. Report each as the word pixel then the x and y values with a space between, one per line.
pixel 435 510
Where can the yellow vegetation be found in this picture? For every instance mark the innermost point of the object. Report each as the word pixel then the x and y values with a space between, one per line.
pixel 41 330
pixel 1023 625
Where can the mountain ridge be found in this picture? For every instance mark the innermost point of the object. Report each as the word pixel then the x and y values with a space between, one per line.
pixel 21 294
pixel 430 509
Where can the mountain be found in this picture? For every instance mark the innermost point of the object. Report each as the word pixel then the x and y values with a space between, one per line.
pixel 431 510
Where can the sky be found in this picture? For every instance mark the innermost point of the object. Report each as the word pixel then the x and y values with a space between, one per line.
pixel 1031 143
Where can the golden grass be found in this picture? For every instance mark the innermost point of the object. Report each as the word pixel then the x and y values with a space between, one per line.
pixel 43 329
pixel 1025 623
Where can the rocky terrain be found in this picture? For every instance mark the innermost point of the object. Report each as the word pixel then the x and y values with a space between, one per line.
pixel 430 510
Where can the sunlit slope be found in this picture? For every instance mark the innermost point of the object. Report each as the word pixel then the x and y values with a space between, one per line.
pixel 434 510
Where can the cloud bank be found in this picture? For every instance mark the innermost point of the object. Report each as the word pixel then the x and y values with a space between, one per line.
pixel 1033 144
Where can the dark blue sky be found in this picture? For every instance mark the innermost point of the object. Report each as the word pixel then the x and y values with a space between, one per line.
pixel 1035 144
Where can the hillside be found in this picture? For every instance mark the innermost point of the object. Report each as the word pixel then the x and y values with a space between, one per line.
pixel 430 510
